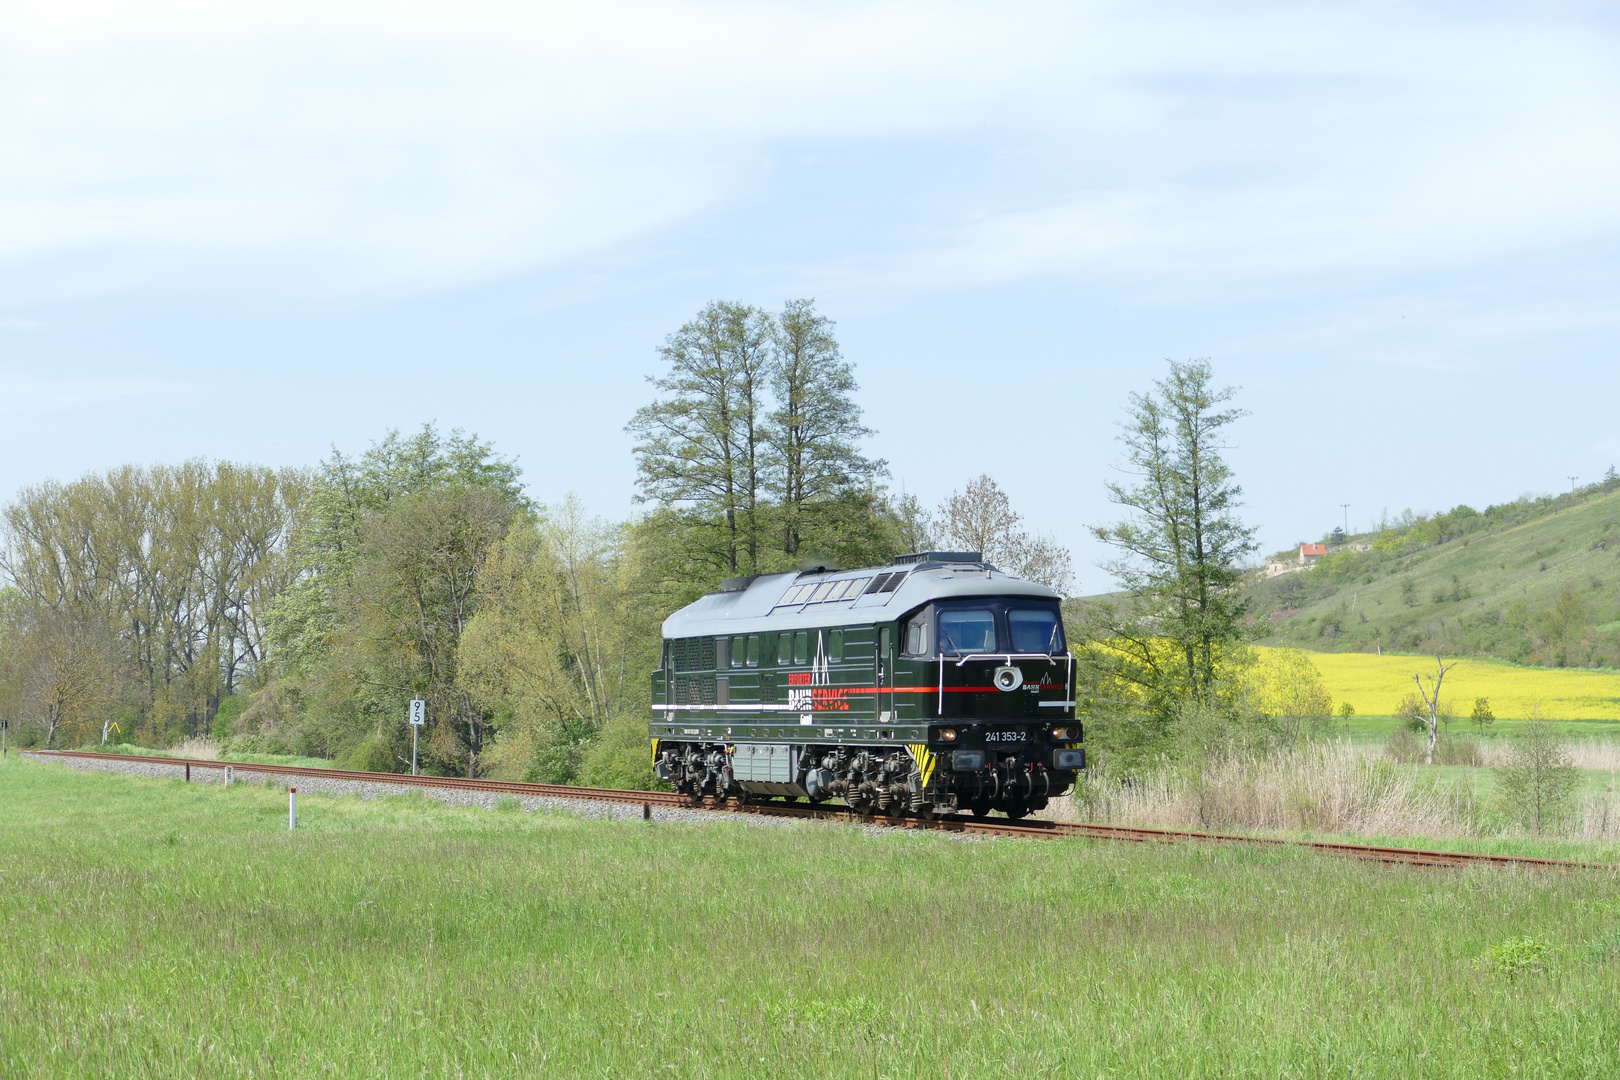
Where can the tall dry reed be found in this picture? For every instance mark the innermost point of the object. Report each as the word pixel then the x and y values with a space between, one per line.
pixel 1320 787
pixel 1326 787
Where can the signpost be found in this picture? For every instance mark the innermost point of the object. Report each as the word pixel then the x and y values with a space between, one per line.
pixel 418 718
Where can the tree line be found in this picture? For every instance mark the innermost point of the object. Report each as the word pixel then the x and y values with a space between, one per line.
pixel 299 610
pixel 139 598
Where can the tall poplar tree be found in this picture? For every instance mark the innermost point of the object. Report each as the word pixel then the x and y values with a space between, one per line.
pixel 815 429
pixel 699 446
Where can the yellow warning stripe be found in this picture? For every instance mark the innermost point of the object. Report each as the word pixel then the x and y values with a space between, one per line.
pixel 926 760
pixel 655 751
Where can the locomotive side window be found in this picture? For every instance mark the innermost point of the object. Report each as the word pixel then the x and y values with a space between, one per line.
pixel 835 645
pixel 784 648
pixel 801 647
pixel 753 650
pixel 739 651
pixel 1035 630
pixel 917 637
pixel 967 631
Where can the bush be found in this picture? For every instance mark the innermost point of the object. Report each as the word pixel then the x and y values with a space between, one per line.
pixel 1515 957
pixel 1405 747
pixel 1538 781
pixel 621 757
pixel 1408 747
pixel 225 718
pixel 370 755
pixel 559 749
pixel 1458 750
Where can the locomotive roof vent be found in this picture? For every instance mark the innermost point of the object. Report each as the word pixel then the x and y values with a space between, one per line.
pixel 940 557
pixel 737 584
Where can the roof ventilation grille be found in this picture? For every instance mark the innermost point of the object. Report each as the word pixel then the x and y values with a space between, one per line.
pixel 939 557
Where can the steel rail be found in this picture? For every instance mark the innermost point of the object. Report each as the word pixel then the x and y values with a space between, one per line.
pixel 1028 828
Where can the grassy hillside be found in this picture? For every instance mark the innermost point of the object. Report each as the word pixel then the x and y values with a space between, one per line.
pixel 1536 582
pixel 161 929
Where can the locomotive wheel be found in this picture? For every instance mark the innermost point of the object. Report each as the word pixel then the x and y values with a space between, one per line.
pixel 980 808
pixel 1016 812
pixel 896 810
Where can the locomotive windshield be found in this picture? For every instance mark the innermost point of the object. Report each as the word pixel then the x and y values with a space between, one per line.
pixel 968 631
pixel 1035 630
pixel 1004 626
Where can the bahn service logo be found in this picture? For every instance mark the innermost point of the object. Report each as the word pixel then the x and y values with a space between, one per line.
pixel 812 690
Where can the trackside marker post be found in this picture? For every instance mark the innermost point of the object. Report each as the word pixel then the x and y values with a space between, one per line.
pixel 292 808
pixel 418 717
pixel 230 775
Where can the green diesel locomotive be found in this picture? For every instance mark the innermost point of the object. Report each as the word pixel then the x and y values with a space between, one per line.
pixel 935 684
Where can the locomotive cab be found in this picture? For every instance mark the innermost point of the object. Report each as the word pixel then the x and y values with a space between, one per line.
pixel 1002 716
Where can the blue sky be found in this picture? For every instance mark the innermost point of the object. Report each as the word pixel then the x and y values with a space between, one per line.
pixel 251 231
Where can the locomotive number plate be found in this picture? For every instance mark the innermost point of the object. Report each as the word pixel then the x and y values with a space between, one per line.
pixel 1005 736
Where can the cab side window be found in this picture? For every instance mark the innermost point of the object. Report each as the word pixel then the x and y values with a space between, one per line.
pixel 917 638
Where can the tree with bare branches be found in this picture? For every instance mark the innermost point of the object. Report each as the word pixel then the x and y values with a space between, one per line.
pixel 981 518
pixel 1430 695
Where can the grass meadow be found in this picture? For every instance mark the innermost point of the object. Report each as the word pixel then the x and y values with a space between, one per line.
pixel 156 929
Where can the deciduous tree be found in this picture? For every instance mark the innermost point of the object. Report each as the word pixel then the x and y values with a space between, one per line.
pixel 699 447
pixel 814 431
pixel 1181 550
pixel 981 518
pixel 1539 779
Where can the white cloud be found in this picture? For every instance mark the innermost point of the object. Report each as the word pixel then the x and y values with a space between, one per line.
pixel 378 146
pixel 23 395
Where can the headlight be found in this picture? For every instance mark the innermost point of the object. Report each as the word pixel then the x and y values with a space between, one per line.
pixel 1065 734
pixel 947 734
pixel 1069 759
pixel 967 760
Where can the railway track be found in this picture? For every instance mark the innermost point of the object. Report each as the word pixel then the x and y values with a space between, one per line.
pixel 1034 829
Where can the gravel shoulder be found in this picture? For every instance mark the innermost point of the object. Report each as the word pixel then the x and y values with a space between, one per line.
pixel 210 773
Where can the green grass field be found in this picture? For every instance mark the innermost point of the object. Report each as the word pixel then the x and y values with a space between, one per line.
pixel 157 929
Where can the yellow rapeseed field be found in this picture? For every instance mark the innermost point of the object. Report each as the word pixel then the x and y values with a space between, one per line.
pixel 1374 685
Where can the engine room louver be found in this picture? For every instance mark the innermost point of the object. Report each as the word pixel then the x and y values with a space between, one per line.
pixel 692 654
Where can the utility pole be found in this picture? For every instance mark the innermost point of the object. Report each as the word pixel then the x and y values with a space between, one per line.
pixel 1572 480
pixel 1346 507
